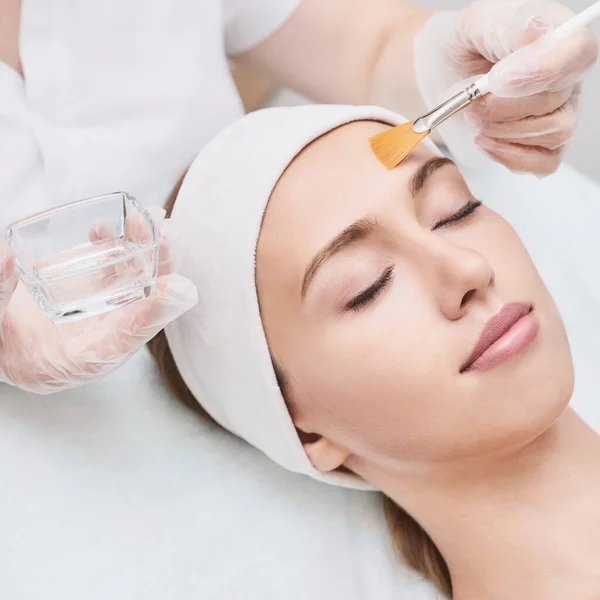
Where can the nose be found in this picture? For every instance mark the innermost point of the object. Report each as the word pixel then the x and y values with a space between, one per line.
pixel 461 276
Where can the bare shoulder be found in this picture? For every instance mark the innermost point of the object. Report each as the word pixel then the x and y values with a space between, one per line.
pixel 10 17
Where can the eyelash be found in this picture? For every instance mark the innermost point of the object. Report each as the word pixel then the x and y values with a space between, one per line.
pixel 469 208
pixel 373 291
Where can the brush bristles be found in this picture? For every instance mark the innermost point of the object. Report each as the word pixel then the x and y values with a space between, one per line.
pixel 393 145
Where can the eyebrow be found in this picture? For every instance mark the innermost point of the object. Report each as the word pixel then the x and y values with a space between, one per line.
pixel 425 171
pixel 365 227
pixel 356 232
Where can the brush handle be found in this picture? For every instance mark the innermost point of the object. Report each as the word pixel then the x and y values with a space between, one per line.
pixel 576 23
pixel 483 84
pixel 445 110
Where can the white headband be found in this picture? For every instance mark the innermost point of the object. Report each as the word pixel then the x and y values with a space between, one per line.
pixel 219 346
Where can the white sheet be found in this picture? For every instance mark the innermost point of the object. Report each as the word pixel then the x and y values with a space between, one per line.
pixel 115 491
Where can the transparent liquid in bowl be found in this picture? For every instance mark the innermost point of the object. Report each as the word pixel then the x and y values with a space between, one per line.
pixel 93 278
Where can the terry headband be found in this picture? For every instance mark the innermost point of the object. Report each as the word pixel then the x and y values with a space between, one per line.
pixel 219 346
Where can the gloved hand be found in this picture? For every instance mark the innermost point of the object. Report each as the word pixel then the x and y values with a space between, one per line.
pixel 41 357
pixel 531 112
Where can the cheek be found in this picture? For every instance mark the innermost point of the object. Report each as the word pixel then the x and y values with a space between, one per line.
pixel 516 278
pixel 547 372
pixel 514 270
pixel 512 404
pixel 374 382
pixel 506 251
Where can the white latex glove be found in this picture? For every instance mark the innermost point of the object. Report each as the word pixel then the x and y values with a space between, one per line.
pixel 41 357
pixel 531 112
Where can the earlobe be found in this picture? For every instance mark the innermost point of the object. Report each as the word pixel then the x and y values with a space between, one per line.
pixel 323 454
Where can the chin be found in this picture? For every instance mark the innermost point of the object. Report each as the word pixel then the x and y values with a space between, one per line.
pixel 545 380
pixel 546 398
pixel 525 403
pixel 553 381
pixel 547 406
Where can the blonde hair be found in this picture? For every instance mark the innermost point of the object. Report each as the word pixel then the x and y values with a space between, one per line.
pixel 410 540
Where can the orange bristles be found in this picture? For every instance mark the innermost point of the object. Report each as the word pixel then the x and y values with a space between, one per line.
pixel 393 145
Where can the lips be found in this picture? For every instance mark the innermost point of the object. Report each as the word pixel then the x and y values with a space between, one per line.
pixel 504 335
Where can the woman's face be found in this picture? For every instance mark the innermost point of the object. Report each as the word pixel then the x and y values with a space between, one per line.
pixel 375 287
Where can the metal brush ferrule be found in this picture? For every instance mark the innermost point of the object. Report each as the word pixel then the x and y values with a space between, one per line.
pixel 445 110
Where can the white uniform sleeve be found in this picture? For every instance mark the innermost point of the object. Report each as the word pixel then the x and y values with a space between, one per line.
pixel 22 190
pixel 249 22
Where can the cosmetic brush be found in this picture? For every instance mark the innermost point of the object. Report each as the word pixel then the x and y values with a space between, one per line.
pixel 392 146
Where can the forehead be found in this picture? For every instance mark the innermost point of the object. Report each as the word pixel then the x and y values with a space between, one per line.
pixel 333 182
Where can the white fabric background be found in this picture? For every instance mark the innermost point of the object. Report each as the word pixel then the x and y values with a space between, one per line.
pixel 119 94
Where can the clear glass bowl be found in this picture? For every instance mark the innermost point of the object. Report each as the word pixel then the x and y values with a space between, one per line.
pixel 88 257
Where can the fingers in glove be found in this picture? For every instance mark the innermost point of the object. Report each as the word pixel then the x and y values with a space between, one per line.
pixel 520 158
pixel 136 228
pixel 136 231
pixel 165 254
pixel 100 232
pixel 544 66
pixel 550 131
pixel 158 214
pixel 493 109
pixel 8 277
pixel 106 343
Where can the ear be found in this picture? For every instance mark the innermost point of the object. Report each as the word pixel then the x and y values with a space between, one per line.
pixel 323 454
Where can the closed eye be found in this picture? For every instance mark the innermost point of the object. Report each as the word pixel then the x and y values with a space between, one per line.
pixel 463 213
pixel 371 292
pixel 374 290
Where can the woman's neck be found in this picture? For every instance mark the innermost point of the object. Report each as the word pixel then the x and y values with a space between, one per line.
pixel 524 526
